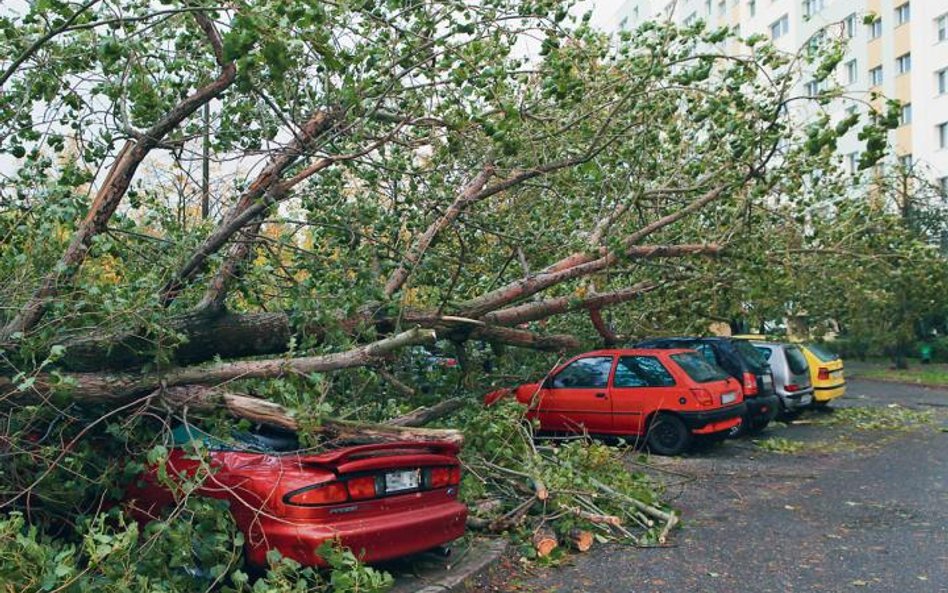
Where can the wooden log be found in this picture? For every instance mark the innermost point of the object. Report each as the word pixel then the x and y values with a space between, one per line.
pixel 422 416
pixel 670 519
pixel 580 539
pixel 596 518
pixel 266 412
pixel 544 541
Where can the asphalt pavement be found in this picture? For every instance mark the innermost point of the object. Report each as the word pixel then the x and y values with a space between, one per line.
pixel 845 509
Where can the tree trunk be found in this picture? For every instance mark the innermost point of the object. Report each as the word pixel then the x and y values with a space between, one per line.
pixel 208 335
pixel 339 432
pixel 119 387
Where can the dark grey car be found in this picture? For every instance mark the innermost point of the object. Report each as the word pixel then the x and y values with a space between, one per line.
pixel 791 374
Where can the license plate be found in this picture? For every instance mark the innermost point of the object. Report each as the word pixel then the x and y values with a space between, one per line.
pixel 728 397
pixel 398 481
pixel 768 381
pixel 837 374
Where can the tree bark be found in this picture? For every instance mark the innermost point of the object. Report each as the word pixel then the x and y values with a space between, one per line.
pixel 261 411
pixel 118 387
pixel 527 287
pixel 230 335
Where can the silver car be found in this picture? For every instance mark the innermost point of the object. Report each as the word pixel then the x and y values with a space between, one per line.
pixel 791 374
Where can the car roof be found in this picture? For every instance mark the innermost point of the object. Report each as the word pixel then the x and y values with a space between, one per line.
pixel 772 344
pixel 637 351
pixel 672 339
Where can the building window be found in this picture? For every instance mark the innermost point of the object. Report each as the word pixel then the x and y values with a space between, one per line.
pixel 853 159
pixel 941 27
pixel 851 26
pixel 752 5
pixel 780 27
pixel 905 118
pixel 852 73
pixel 875 29
pixel 811 7
pixel 942 130
pixel 812 88
pixel 721 8
pixel 905 161
pixel 941 81
pixel 707 7
pixel 902 14
pixel 875 76
pixel 903 63
pixel 851 110
pixel 690 19
pixel 943 186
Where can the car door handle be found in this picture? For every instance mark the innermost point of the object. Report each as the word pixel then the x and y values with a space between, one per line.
pixel 601 395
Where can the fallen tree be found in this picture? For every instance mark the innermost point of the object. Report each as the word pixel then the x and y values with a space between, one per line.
pixel 382 177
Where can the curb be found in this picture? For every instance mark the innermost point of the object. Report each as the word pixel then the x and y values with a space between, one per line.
pixel 476 559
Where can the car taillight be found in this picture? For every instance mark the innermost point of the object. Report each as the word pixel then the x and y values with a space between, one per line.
pixel 361 488
pixel 328 493
pixel 791 387
pixel 439 477
pixel 749 384
pixel 703 396
pixel 824 374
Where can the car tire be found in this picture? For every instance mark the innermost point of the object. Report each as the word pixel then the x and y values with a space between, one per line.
pixel 786 413
pixel 668 435
pixel 821 406
pixel 756 427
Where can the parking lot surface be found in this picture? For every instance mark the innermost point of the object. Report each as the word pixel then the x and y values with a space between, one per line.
pixel 820 504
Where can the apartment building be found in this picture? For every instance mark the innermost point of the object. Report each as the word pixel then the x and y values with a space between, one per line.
pixel 903 55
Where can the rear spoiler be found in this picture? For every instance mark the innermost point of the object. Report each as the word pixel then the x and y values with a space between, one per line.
pixel 340 456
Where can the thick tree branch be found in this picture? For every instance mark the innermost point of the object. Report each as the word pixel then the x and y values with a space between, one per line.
pixel 468 196
pixel 526 287
pixel 118 387
pixel 250 206
pixel 205 399
pixel 108 198
pixel 556 306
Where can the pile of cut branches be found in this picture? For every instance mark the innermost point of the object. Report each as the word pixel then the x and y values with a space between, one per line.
pixel 549 493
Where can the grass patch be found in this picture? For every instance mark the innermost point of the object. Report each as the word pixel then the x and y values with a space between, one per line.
pixel 781 445
pixel 891 417
pixel 935 375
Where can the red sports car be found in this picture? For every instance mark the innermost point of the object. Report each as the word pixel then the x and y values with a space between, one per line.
pixel 667 396
pixel 382 501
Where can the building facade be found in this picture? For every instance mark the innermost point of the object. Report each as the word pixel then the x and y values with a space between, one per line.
pixel 902 55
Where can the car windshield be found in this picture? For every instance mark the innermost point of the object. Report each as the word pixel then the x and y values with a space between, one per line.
pixel 754 356
pixel 822 353
pixel 796 360
pixel 699 369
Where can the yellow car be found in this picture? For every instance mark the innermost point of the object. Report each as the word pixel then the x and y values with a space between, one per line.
pixel 826 373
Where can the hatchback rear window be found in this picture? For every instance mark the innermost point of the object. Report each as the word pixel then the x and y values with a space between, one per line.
pixel 699 369
pixel 641 371
pixel 796 360
pixel 757 360
pixel 821 352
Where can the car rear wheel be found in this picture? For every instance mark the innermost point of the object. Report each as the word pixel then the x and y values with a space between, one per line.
pixel 668 435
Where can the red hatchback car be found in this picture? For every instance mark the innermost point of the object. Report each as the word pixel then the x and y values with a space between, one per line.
pixel 667 396
pixel 382 501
